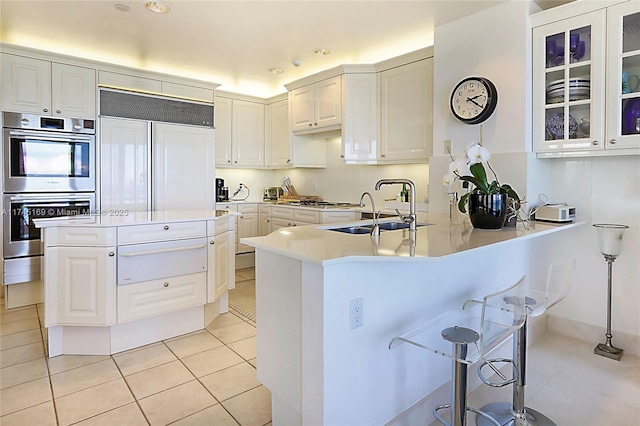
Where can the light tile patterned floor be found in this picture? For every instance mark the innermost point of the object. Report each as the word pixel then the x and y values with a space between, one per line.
pixel 203 378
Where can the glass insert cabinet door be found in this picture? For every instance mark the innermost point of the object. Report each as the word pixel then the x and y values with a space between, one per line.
pixel 568 83
pixel 623 89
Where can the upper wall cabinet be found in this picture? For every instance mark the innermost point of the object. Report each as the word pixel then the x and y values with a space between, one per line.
pixel 574 111
pixel 406 112
pixel 239 133
pixel 317 106
pixel 277 145
pixel 42 87
pixel 150 85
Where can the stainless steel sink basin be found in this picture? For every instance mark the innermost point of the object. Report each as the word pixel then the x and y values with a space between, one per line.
pixel 353 229
pixel 365 229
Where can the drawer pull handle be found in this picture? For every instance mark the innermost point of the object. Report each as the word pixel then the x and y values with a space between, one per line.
pixel 612 142
pixel 166 227
pixel 212 242
pixel 111 254
pixel 166 284
pixel 167 250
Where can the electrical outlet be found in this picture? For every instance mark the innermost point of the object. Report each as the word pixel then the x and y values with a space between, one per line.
pixel 356 313
pixel 447 146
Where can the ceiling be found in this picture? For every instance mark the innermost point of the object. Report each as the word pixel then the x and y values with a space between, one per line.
pixel 233 43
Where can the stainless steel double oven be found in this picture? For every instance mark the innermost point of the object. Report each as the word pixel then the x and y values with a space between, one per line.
pixel 48 172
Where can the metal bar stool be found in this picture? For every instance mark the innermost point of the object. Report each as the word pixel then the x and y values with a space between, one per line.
pixel 466 336
pixel 560 283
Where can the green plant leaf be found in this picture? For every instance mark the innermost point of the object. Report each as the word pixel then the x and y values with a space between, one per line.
pixel 462 202
pixel 477 170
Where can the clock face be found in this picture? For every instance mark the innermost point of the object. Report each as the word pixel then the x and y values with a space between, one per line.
pixel 473 100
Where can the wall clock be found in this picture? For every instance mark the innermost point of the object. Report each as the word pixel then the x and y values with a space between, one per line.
pixel 473 100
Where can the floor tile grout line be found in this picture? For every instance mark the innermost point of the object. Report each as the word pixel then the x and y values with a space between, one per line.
pixel 130 390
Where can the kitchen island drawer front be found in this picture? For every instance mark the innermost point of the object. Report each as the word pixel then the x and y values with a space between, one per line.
pixel 155 297
pixel 161 232
pixel 307 216
pixel 248 208
pixel 332 217
pixel 282 212
pixel 145 262
pixel 80 236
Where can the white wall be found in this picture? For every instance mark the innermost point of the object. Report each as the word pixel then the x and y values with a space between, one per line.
pixel 496 44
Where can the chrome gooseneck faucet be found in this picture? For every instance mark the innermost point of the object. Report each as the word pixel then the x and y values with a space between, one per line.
pixel 375 229
pixel 411 219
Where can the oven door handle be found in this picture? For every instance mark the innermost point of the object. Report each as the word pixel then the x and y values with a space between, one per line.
pixel 48 198
pixel 66 137
pixel 168 250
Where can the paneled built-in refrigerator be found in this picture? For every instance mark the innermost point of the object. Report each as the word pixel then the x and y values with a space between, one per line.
pixel 154 165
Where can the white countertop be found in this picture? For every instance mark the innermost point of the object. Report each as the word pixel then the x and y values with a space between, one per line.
pixel 124 218
pixel 432 243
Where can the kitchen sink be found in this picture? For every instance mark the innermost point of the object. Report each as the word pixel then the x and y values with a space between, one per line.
pixel 353 229
pixel 365 229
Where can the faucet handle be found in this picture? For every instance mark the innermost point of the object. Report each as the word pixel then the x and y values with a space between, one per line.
pixel 404 218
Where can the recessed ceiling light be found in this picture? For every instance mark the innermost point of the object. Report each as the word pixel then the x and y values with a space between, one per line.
pixel 323 52
pixel 122 7
pixel 156 6
pixel 275 70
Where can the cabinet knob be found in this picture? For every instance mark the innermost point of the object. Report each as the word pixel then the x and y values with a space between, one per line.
pixel 310 124
pixel 166 227
pixel 315 124
pixel 289 161
pixel 58 111
pixel 342 156
pixel 236 162
pixel 111 254
pixel 228 161
pixel 383 155
pixel 595 142
pixel 166 284
pixel 268 220
pixel 212 242
pixel 45 110
pixel 613 141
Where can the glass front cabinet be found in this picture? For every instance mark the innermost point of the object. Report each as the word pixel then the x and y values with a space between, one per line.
pixel 586 83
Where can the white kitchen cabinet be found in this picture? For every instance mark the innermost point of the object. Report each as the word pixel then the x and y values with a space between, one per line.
pixel 277 135
pixel 152 85
pixel 240 133
pixel 359 124
pixel 317 106
pixel 406 112
pixel 224 259
pixel 574 111
pixel 223 125
pixel 42 87
pixel 247 225
pixel 85 290
pixel 248 134
pixel 623 56
pixel 264 227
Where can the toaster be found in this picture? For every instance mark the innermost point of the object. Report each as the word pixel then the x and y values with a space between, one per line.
pixel 556 213
pixel 272 193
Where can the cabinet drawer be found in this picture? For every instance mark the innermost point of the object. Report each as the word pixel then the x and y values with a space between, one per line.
pixel 80 236
pixel 211 228
pixel 160 296
pixel 161 232
pixel 331 217
pixel 281 212
pixel 306 216
pixel 145 262
pixel 227 206
pixel 247 208
pixel 222 225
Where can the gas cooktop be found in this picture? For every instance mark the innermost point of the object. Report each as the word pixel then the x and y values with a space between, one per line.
pixel 321 204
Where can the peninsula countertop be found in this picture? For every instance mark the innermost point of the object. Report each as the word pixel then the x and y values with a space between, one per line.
pixel 434 241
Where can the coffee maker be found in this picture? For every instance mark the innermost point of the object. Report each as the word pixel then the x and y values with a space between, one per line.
pixel 222 192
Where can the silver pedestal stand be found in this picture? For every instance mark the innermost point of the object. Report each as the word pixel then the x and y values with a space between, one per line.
pixel 610 237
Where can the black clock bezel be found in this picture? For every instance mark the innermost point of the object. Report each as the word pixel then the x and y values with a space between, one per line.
pixel 490 106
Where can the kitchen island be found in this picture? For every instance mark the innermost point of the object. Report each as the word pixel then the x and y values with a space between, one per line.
pixel 118 280
pixel 322 370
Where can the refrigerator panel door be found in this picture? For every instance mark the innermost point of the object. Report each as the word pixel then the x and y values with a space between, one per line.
pixel 124 183
pixel 183 167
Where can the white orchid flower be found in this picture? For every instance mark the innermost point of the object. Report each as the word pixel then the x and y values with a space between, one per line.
pixel 459 167
pixel 448 179
pixel 478 154
pixel 468 147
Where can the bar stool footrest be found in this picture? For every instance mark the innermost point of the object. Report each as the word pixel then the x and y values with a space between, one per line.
pixel 498 384
pixel 484 415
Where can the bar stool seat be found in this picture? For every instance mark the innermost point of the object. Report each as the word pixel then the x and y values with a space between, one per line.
pixel 466 336
pixel 559 284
